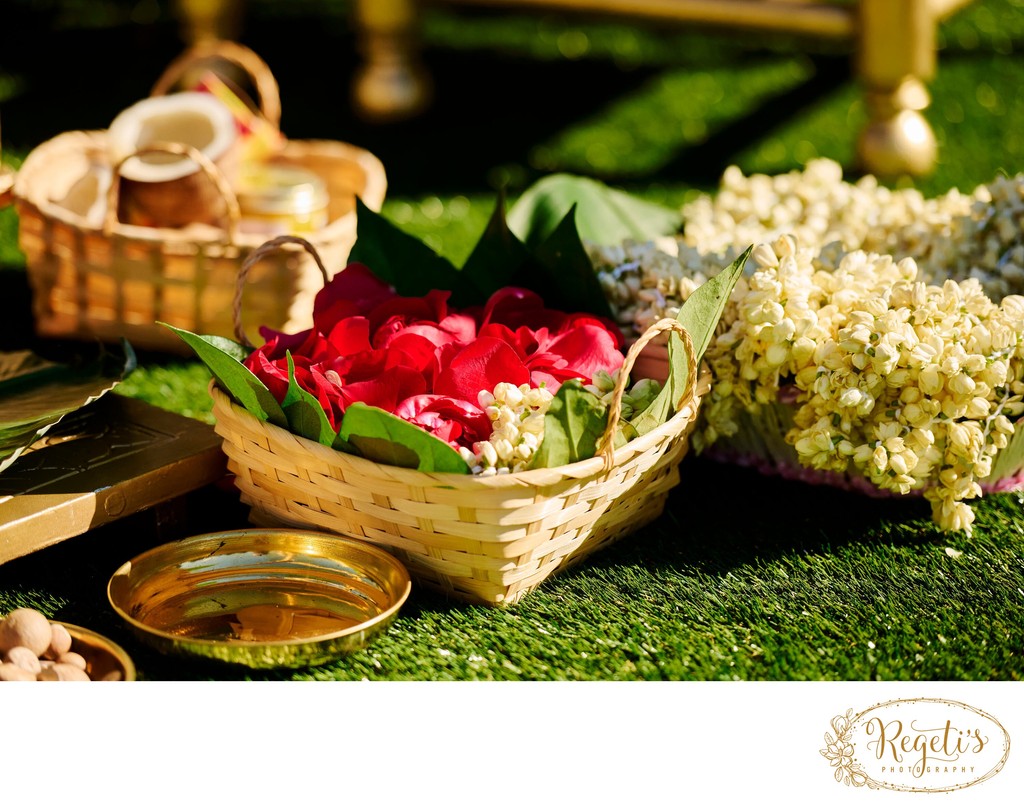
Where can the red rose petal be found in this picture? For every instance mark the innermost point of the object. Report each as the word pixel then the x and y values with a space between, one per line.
pixel 481 365
pixel 386 389
pixel 353 291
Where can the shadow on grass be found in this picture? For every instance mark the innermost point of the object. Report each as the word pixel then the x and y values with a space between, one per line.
pixel 17 326
pixel 489 108
pixel 703 163
pixel 723 517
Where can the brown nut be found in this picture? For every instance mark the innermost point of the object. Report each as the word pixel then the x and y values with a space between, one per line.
pixel 60 641
pixel 62 672
pixel 75 659
pixel 24 658
pixel 25 627
pixel 12 672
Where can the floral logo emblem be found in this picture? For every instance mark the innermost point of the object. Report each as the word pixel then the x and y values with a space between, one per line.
pixel 839 752
pixel 923 745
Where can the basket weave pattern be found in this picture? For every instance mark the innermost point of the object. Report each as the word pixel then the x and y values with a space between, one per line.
pixel 486 540
pixel 107 280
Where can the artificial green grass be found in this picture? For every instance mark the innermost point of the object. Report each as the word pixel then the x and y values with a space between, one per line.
pixel 744 577
pixel 793 585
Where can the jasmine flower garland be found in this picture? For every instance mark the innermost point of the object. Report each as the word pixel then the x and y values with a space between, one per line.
pixel 517 418
pixel 818 207
pixel 899 371
pixel 516 414
pixel 911 385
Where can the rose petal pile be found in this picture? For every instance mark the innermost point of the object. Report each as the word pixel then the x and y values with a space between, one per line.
pixel 426 362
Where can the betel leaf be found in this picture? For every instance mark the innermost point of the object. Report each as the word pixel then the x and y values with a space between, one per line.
pixel 574 422
pixel 703 309
pixel 306 417
pixel 36 395
pixel 411 267
pixel 605 215
pixel 382 437
pixel 568 282
pixel 499 259
pixel 223 358
pixel 558 269
pixel 699 314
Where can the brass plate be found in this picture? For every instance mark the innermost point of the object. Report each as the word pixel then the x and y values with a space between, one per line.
pixel 110 459
pixel 262 598
pixel 105 660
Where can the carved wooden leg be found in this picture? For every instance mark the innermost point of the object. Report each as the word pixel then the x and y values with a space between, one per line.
pixel 209 19
pixel 895 56
pixel 392 83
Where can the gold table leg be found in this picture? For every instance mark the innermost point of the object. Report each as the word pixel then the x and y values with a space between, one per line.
pixel 392 83
pixel 895 56
pixel 202 20
pixel 894 43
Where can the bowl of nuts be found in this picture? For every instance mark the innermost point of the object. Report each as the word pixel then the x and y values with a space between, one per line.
pixel 36 648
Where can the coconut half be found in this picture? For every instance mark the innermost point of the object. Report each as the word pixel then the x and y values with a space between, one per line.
pixel 169 190
pixel 194 119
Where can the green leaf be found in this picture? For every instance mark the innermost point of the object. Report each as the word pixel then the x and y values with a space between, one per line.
pixel 402 260
pixel 703 309
pixel 499 258
pixel 568 281
pixel 1009 460
pixel 382 437
pixel 574 422
pixel 223 358
pixel 700 315
pixel 559 269
pixel 306 417
pixel 605 215
pixel 35 393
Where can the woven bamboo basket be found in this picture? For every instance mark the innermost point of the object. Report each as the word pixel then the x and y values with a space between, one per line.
pixel 483 540
pixel 100 278
pixel 6 184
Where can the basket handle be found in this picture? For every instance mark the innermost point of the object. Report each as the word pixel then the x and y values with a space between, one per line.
pixel 606 444
pixel 254 257
pixel 233 212
pixel 239 55
pixel 6 187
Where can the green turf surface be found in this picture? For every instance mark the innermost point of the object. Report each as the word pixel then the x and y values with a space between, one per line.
pixel 744 577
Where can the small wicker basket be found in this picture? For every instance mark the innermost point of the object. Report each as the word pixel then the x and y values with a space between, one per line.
pixel 483 540
pixel 6 184
pixel 105 279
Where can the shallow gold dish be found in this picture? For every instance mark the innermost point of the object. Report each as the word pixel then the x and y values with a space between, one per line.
pixel 262 598
pixel 105 660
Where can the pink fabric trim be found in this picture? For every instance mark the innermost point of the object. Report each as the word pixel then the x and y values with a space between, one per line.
pixel 1006 484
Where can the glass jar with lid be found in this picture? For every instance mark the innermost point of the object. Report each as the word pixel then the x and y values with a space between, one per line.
pixel 279 199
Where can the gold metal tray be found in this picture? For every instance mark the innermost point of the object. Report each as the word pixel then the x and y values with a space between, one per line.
pixel 110 459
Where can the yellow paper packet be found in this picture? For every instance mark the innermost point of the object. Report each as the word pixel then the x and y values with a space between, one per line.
pixel 258 136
